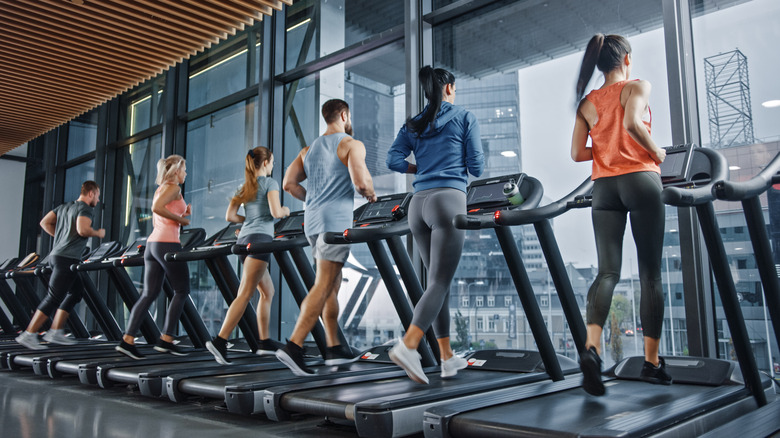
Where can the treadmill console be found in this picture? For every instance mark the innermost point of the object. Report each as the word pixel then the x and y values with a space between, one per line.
pixel 387 208
pixel 191 237
pixel 103 251
pixel 676 167
pixel 291 225
pixel 136 249
pixel 228 235
pixel 488 194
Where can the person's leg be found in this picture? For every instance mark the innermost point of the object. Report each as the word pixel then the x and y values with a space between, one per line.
pixel 266 289
pixel 314 303
pixel 254 270
pixel 178 275
pixel 60 282
pixel 421 232
pixel 73 297
pixel 330 314
pixel 153 280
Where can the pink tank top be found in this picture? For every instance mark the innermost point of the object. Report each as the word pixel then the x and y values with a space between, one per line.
pixel 167 230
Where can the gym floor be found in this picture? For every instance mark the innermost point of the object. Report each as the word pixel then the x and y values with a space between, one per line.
pixel 33 406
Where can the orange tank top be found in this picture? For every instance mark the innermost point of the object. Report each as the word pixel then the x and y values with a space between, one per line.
pixel 167 230
pixel 614 151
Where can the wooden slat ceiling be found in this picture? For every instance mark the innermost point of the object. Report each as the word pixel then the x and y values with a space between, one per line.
pixel 61 58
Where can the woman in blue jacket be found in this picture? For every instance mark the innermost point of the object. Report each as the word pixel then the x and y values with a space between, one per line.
pixel 446 145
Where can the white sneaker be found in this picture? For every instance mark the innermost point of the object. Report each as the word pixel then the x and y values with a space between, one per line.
pixel 409 360
pixel 30 340
pixel 450 367
pixel 57 336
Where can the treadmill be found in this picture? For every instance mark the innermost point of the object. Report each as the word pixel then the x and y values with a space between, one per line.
pixel 243 392
pixel 395 406
pixel 706 392
pixel 17 318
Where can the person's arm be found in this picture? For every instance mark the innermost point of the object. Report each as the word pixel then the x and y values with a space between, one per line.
pixel 84 228
pixel 358 171
pixel 399 151
pixel 275 205
pixel 475 157
pixel 49 223
pixel 231 215
pixel 579 138
pixel 636 105
pixel 295 175
pixel 169 193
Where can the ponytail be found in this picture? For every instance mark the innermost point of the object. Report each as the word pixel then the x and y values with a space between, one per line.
pixel 432 82
pixel 605 52
pixel 168 167
pixel 254 160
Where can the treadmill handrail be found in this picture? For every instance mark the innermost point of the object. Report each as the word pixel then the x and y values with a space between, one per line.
pixel 739 190
pixel 682 197
pixel 360 235
pixel 273 246
pixel 198 253
pixel 476 222
pixel 549 211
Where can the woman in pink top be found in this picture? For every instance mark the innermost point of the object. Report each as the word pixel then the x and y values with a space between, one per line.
pixel 626 181
pixel 169 214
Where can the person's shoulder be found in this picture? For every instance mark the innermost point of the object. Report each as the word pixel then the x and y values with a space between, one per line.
pixel 642 85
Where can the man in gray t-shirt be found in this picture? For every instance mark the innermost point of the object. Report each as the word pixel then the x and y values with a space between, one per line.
pixel 71 226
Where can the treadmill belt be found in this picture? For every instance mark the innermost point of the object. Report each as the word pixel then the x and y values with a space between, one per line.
pixel 630 407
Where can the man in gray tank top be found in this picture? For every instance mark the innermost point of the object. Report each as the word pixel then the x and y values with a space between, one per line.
pixel 71 226
pixel 335 167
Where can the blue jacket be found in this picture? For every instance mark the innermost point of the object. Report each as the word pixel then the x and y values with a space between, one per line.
pixel 445 154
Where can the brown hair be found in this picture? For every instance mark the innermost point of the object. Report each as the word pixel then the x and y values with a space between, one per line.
pixel 167 168
pixel 89 186
pixel 255 159
pixel 605 52
pixel 332 109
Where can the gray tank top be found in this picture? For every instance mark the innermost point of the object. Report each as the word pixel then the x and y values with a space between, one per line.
pixel 257 213
pixel 67 241
pixel 329 192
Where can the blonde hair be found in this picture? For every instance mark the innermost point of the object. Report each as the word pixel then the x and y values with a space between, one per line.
pixel 168 167
pixel 255 159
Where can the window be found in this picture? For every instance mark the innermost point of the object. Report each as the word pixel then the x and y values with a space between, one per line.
pixel 491 301
pixel 544 301
pixel 491 325
pixel 75 176
pixel 136 174
pixel 142 108
pixel 464 301
pixel 507 300
pixel 82 134
pixel 479 301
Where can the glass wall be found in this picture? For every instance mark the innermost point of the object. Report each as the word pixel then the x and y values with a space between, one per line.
pixel 75 176
pixel 82 135
pixel 739 106
pixel 519 82
pixel 142 108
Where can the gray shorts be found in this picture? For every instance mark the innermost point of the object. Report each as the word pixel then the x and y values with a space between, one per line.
pixel 327 251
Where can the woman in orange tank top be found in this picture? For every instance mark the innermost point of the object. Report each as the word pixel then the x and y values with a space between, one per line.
pixel 169 214
pixel 626 181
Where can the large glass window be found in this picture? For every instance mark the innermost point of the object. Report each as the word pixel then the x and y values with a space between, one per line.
pixel 136 183
pixel 373 86
pixel 739 105
pixel 82 135
pixel 142 108
pixel 75 176
pixel 516 65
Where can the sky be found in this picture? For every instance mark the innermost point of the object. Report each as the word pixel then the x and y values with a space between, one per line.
pixel 547 112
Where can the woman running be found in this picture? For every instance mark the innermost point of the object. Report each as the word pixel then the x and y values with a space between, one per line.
pixel 169 214
pixel 447 147
pixel 626 180
pixel 260 196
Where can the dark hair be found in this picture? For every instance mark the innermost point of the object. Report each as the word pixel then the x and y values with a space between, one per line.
pixel 605 52
pixel 432 81
pixel 332 109
pixel 254 160
pixel 89 186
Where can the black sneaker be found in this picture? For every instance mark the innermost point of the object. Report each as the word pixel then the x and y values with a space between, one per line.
pixel 168 347
pixel 218 347
pixel 129 350
pixel 268 347
pixel 655 374
pixel 292 356
pixel 590 365
pixel 340 355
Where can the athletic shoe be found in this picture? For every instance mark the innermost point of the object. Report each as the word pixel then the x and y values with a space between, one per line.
pixel 57 336
pixel 450 367
pixel 218 347
pixel 590 365
pixel 409 360
pixel 168 347
pixel 340 355
pixel 129 350
pixel 292 356
pixel 268 347
pixel 30 340
pixel 655 374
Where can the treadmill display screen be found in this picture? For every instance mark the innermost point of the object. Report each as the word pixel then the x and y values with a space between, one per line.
pixel 675 166
pixel 291 224
pixel 228 235
pixel 135 248
pixel 487 195
pixel 102 250
pixel 378 211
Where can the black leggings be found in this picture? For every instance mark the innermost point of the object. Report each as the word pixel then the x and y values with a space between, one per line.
pixel 639 195
pixel 65 288
pixel 156 269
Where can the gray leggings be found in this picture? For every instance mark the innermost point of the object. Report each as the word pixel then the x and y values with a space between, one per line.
pixel 155 271
pixel 639 195
pixel 440 243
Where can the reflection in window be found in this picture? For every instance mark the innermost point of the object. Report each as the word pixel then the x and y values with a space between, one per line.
pixel 75 176
pixel 136 180
pixel 82 134
pixel 142 108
